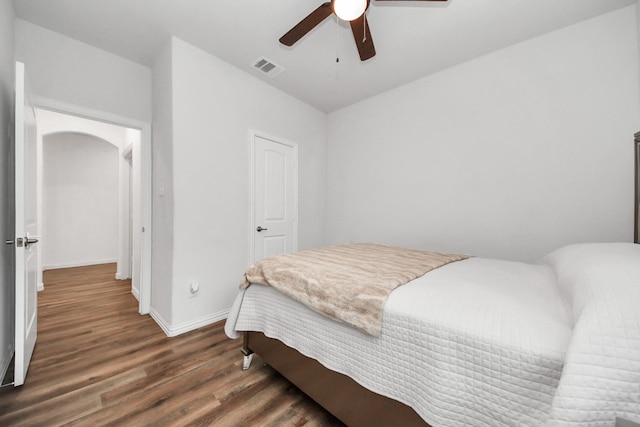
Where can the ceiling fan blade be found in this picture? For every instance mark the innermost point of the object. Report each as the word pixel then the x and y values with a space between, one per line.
pixel 307 24
pixel 362 36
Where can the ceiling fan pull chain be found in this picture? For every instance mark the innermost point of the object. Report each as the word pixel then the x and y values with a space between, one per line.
pixel 337 39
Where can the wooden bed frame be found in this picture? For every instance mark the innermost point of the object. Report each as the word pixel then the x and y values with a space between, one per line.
pixel 347 400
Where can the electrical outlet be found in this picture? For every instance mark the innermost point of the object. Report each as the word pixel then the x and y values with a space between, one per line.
pixel 194 287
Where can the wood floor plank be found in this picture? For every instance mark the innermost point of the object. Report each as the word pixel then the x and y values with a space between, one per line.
pixel 53 411
pixel 98 362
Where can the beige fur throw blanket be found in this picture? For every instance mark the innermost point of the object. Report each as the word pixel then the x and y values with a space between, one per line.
pixel 350 283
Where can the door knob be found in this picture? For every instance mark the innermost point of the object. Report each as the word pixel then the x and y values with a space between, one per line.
pixel 22 241
pixel 259 229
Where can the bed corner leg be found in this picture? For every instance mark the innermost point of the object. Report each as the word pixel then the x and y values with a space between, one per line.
pixel 247 352
pixel 246 361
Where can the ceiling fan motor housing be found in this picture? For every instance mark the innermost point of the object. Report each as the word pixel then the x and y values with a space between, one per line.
pixel 348 10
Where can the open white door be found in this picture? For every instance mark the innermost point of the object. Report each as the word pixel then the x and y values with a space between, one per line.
pixel 26 228
pixel 275 198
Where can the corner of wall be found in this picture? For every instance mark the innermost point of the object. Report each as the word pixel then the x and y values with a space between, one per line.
pixel 162 197
pixel 171 330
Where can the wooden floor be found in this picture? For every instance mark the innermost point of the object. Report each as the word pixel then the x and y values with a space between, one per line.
pixel 98 362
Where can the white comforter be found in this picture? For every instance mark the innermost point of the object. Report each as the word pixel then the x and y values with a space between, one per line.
pixel 481 341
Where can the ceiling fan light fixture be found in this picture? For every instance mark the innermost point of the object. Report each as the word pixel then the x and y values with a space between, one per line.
pixel 348 10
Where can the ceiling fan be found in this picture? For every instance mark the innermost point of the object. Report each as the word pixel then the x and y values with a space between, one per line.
pixel 347 10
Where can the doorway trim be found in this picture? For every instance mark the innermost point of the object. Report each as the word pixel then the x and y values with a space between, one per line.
pixel 252 193
pixel 144 305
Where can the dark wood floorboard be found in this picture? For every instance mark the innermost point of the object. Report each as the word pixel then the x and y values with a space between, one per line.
pixel 97 362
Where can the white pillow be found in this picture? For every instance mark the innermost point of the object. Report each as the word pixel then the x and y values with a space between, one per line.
pixel 601 375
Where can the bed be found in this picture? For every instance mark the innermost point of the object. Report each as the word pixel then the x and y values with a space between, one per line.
pixel 478 342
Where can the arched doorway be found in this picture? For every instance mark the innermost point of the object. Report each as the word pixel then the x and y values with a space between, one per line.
pixel 76 137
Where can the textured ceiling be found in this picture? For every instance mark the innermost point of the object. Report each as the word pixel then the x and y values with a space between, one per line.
pixel 412 39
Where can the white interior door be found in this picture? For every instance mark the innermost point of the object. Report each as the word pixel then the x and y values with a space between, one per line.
pixel 26 320
pixel 275 198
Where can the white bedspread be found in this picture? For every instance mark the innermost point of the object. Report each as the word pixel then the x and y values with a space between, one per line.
pixel 478 342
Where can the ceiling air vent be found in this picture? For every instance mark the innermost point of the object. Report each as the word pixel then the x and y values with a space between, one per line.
pixel 267 67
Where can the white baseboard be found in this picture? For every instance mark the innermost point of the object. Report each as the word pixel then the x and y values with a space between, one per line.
pixel 136 293
pixel 5 362
pixel 164 325
pixel 175 330
pixel 40 287
pixel 78 264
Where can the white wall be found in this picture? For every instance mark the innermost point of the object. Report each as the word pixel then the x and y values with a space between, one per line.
pixel 520 151
pixel 215 107
pixel 67 70
pixel 638 34
pixel 7 88
pixel 81 200
pixel 509 155
pixel 162 254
